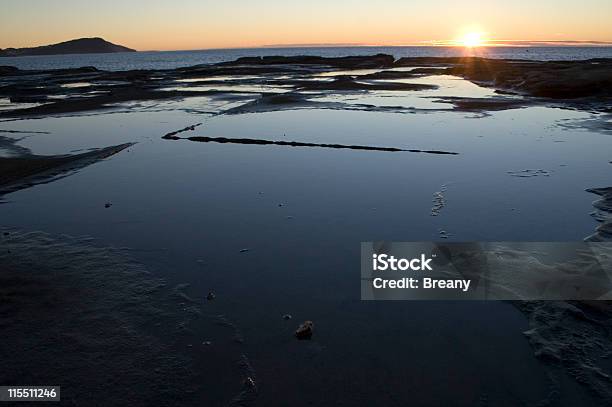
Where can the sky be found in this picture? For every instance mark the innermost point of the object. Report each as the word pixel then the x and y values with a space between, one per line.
pixel 202 24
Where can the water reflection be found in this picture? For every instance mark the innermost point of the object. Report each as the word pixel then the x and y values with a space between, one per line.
pixel 188 209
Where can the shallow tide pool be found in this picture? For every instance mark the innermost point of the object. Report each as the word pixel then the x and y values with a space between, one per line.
pixel 275 230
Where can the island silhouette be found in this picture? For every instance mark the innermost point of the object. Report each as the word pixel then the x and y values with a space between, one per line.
pixel 95 45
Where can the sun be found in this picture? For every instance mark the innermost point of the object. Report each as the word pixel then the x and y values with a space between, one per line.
pixel 472 39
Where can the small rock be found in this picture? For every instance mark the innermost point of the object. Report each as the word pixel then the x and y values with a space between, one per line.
pixel 207 343
pixel 305 330
pixel 6 233
pixel 211 296
pixel 244 250
pixel 108 205
pixel 287 317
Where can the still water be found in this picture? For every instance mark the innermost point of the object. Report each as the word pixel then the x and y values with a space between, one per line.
pixel 276 230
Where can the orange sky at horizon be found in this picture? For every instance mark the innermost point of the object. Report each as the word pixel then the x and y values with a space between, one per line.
pixel 192 24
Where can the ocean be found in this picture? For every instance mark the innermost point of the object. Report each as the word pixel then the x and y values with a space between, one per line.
pixel 176 59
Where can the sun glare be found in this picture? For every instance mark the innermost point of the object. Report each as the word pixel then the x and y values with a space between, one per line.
pixel 472 39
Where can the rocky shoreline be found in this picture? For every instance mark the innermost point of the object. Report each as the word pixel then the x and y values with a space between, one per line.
pixel 573 84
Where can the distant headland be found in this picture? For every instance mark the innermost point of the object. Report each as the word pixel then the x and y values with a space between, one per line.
pixel 79 46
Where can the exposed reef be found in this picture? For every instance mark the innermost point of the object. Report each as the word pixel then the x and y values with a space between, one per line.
pixel 172 134
pixel 603 214
pixel 346 82
pixel 204 139
pixel 574 84
pixel 352 62
pixel 551 79
pixel 26 170
pixel 485 104
pixel 575 337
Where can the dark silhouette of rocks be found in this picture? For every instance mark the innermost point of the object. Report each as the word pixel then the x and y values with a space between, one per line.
pixel 8 70
pixel 346 82
pixel 550 79
pixel 79 46
pixel 227 140
pixel 354 62
pixel 22 172
pixel 603 214
pixel 585 85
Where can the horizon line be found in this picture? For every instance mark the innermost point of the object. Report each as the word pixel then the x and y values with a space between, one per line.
pixel 430 43
pixel 433 43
